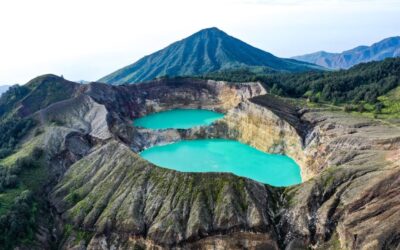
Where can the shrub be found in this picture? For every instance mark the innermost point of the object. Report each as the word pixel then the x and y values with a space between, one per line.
pixel 19 223
pixel 378 107
pixel 37 153
pixel 361 108
pixel 11 131
pixel 8 178
pixel 348 108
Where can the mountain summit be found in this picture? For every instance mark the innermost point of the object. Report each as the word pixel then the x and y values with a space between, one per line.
pixel 389 47
pixel 205 51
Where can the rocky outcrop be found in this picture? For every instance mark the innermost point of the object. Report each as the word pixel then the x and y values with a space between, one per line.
pixel 81 114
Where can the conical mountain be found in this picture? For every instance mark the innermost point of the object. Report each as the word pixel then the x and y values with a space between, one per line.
pixel 203 52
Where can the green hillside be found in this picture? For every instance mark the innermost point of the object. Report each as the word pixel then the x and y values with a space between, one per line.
pixel 23 174
pixel 362 87
pixel 364 82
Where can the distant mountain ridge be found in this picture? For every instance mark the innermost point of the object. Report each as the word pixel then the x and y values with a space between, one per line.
pixel 205 51
pixel 389 47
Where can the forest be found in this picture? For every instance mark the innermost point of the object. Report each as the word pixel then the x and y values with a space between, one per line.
pixel 363 83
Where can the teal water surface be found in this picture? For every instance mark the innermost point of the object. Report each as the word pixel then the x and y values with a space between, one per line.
pixel 219 155
pixel 178 118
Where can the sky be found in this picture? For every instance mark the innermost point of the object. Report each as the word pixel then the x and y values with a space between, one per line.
pixel 87 39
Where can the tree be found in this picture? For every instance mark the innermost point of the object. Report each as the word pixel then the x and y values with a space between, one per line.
pixel 378 108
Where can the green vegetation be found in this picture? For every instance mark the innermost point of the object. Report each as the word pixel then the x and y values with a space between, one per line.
pixel 40 92
pixel 19 102
pixel 9 99
pixel 23 172
pixel 12 126
pixel 19 224
pixel 80 235
pixel 11 131
pixel 390 103
pixel 289 194
pixel 45 90
pixel 19 182
pixel 7 197
pixel 363 88
pixel 332 244
pixel 22 169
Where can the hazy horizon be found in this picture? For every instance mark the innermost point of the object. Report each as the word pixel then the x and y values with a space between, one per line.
pixel 85 40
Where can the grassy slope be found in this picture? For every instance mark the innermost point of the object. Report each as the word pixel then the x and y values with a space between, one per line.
pixel 19 104
pixel 30 179
pixel 391 102
pixel 37 93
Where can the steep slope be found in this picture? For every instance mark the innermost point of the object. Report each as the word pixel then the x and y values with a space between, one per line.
pixel 205 51
pixel 389 47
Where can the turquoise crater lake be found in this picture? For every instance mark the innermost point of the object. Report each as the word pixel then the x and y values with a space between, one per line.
pixel 178 118
pixel 219 155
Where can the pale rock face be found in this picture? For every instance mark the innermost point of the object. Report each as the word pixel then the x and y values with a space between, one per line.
pixel 230 95
pixel 261 128
pixel 81 113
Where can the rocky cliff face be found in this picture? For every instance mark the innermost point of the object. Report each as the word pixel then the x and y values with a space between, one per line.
pixel 263 129
pixel 104 196
pixel 353 199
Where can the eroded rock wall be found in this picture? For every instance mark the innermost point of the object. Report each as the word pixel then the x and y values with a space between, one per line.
pixel 353 200
pixel 261 128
